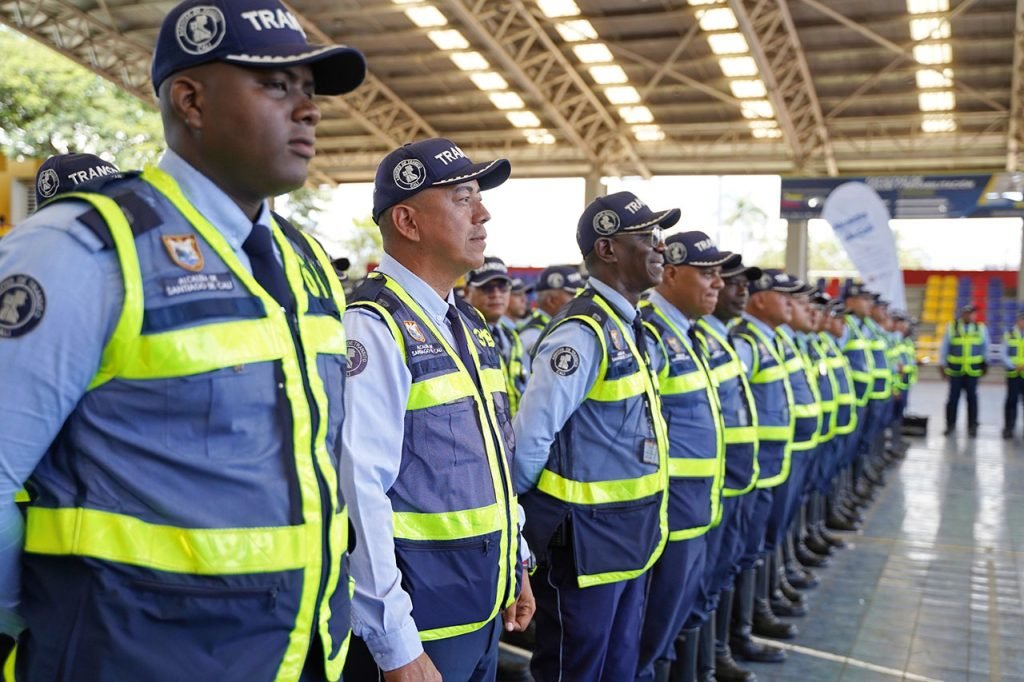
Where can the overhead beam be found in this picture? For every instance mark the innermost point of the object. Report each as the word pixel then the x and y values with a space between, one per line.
pixel 521 45
pixel 775 47
pixel 1013 137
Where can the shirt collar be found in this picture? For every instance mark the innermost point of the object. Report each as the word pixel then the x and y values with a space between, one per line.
pixel 759 324
pixel 617 301
pixel 211 201
pixel 421 292
pixel 716 324
pixel 671 312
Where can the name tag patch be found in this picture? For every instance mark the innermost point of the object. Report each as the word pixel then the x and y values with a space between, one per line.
pixel 650 451
pixel 198 282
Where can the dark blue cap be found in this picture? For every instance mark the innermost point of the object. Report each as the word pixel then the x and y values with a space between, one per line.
pixel 259 34
pixel 563 277
pixel 64 172
pixel 520 287
pixel 856 289
pixel 819 297
pixel 492 269
pixel 730 270
pixel 430 163
pixel 837 306
pixel 696 249
pixel 773 279
pixel 619 212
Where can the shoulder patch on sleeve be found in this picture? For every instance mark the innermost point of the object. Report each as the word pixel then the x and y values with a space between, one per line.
pixel 22 305
pixel 357 358
pixel 565 361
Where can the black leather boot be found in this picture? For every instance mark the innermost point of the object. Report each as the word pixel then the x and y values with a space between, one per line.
pixel 780 604
pixel 684 668
pixel 766 624
pixel 741 642
pixel 662 670
pixel 836 520
pixel 706 650
pixel 726 668
pixel 812 536
pixel 820 525
pixel 798 576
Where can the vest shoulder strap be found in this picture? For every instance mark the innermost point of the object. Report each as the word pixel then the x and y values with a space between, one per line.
pixel 126 189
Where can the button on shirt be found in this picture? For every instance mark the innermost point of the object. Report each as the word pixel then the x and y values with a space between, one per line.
pixel 550 398
pixel 47 370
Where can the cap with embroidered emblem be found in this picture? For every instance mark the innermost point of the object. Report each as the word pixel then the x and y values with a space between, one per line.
pixel 259 34
pixel 856 289
pixel 619 212
pixel 730 270
pixel 697 249
pixel 773 279
pixel 64 172
pixel 493 269
pixel 435 162
pixel 559 277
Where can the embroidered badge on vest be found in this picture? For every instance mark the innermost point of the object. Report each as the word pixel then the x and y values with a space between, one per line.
pixel 357 357
pixel 616 339
pixel 565 361
pixel 414 330
pixel 184 251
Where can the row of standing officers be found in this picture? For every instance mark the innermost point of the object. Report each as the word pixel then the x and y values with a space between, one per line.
pixel 232 472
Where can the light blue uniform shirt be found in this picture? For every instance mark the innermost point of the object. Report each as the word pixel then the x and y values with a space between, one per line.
pixel 743 349
pixel 944 347
pixel 528 337
pixel 551 398
pixel 657 352
pixel 47 370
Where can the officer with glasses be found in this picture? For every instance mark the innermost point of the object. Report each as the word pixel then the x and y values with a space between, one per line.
pixel 592 454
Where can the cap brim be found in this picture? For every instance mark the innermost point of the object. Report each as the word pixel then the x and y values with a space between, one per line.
pixel 751 271
pixel 490 278
pixel 489 175
pixel 664 219
pixel 337 69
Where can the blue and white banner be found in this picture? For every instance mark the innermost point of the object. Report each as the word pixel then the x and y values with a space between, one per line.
pixel 861 223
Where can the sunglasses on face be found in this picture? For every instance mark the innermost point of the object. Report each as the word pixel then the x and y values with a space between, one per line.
pixel 491 287
pixel 652 236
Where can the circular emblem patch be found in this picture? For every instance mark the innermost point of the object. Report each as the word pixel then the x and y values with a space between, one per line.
pixel 765 283
pixel 200 29
pixel 556 280
pixel 606 222
pixel 565 361
pixel 409 174
pixel 47 183
pixel 22 304
pixel 675 253
pixel 357 358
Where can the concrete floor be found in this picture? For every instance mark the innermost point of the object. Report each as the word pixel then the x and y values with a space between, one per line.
pixel 930 589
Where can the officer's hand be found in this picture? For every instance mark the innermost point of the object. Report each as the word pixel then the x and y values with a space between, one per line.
pixel 421 669
pixel 519 615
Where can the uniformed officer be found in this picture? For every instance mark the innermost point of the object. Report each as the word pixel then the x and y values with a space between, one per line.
pixel 963 358
pixel 680 592
pixel 1013 360
pixel 555 287
pixel 428 434
pixel 65 172
pixel 173 359
pixel 592 459
pixel 488 289
pixel 518 304
pixel 739 416
pixel 858 351
pixel 753 338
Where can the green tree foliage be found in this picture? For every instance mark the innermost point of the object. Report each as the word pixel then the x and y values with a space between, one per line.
pixel 50 105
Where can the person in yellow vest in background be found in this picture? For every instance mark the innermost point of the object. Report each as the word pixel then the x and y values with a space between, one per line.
pixel 591 461
pixel 1013 360
pixel 173 366
pixel 488 289
pixel 555 287
pixel 963 359
pixel 428 437
pixel 518 304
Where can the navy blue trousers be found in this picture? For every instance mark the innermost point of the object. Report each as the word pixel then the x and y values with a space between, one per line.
pixel 784 501
pixel 968 386
pixel 1014 395
pixel 759 508
pixel 589 634
pixel 723 541
pixel 674 585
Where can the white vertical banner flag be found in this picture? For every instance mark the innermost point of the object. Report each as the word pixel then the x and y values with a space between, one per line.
pixel 861 222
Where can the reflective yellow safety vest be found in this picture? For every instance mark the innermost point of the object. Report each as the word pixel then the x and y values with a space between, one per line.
pixel 806 404
pixel 455 514
pixel 1013 347
pixel 965 349
pixel 881 373
pixel 606 494
pixel 828 389
pixel 858 355
pixel 696 443
pixel 910 369
pixel 223 566
pixel 773 396
pixel 846 400
pixel 515 373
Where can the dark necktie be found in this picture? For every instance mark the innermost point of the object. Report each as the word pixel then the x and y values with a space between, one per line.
pixel 499 340
pixel 461 343
pixel 259 246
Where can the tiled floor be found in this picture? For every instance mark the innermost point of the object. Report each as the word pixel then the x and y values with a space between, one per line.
pixel 931 588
